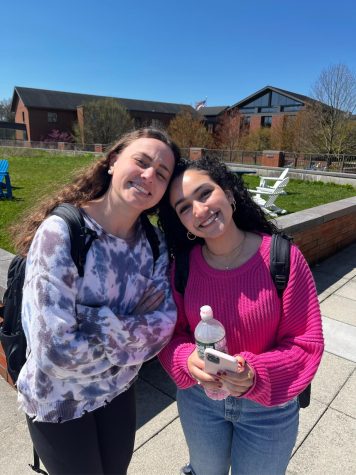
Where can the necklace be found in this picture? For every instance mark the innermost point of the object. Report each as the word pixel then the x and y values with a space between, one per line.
pixel 225 261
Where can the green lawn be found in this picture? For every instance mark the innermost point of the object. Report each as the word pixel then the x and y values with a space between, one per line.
pixel 306 194
pixel 34 177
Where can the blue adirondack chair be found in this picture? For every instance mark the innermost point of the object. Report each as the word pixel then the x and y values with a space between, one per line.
pixel 5 182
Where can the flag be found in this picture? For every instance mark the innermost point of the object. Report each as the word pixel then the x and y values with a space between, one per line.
pixel 200 104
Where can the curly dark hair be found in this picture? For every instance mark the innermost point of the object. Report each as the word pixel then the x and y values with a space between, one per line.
pixel 248 216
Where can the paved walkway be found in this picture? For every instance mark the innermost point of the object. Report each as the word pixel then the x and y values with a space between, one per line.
pixel 327 435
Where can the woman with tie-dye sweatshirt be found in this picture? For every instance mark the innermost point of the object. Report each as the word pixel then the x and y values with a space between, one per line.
pixel 88 337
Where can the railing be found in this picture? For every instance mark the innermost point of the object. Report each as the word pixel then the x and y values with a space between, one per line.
pixel 54 146
pixel 236 156
pixel 306 161
pixel 323 162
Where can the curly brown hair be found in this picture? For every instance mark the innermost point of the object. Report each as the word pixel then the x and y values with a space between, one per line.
pixel 89 184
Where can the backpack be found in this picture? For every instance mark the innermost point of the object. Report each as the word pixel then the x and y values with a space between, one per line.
pixel 279 268
pixel 12 336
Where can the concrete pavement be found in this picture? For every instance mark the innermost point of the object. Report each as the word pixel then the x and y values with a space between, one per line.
pixel 327 435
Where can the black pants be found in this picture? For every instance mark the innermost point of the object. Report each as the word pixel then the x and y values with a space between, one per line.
pixel 100 442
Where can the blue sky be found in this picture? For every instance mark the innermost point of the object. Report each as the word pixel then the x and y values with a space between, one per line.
pixel 174 51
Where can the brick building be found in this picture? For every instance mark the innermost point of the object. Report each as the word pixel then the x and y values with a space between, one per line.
pixel 211 116
pixel 267 107
pixel 42 111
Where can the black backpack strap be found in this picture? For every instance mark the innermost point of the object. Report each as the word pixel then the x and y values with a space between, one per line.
pixel 151 236
pixel 81 237
pixel 304 397
pixel 280 268
pixel 280 261
pixel 36 463
pixel 181 273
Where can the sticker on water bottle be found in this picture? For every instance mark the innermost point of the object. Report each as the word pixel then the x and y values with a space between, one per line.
pixel 218 345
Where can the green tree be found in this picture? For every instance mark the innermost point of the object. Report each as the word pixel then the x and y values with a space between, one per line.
pixel 189 131
pixel 104 120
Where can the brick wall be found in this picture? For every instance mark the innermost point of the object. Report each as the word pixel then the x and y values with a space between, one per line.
pixel 319 232
pixel 255 123
pixel 327 238
pixel 272 158
pixel 22 113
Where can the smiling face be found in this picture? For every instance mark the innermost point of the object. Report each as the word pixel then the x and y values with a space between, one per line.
pixel 203 207
pixel 140 173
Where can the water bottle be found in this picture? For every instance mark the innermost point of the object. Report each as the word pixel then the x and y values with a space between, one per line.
pixel 210 333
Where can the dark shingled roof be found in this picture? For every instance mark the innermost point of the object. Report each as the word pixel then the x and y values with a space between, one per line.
pixel 44 99
pixel 212 111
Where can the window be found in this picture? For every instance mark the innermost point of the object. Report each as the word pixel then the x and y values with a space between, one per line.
pixel 156 123
pixel 23 117
pixel 266 121
pixel 280 100
pixel 248 110
pixel 211 128
pixel 267 109
pixel 292 108
pixel 245 123
pixel 262 101
pixel 51 116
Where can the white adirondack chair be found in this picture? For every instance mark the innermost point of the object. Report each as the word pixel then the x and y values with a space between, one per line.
pixel 268 204
pixel 277 180
pixel 278 188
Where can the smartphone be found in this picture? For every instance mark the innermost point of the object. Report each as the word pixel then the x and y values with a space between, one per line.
pixel 217 361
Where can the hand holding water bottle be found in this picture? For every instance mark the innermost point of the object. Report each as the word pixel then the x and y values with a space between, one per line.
pixel 209 333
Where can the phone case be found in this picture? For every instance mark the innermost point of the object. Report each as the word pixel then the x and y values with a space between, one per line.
pixel 217 361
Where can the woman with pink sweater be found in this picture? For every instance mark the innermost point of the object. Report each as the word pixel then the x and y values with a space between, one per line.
pixel 276 341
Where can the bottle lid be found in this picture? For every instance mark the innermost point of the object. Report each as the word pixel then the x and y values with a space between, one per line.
pixel 206 312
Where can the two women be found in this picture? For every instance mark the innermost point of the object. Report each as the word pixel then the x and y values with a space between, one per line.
pixel 209 214
pixel 87 337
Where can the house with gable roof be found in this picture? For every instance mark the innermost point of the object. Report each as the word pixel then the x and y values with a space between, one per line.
pixel 269 106
pixel 264 108
pixel 43 110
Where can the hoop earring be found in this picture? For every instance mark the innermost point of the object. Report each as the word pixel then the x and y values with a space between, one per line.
pixel 191 236
pixel 233 206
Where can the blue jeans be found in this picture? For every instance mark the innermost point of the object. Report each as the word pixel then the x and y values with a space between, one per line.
pixel 251 438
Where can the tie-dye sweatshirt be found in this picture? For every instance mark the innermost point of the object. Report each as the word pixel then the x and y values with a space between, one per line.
pixel 85 344
pixel 281 339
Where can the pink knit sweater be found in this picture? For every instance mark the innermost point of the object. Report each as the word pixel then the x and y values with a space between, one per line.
pixel 281 341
